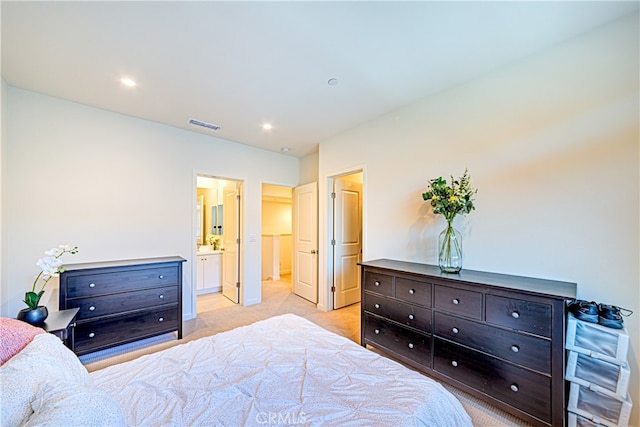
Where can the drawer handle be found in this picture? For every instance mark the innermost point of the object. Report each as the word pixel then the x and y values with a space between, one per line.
pixel 514 388
pixel 161 319
pixel 411 317
pixel 515 348
pixel 376 305
pixel 91 335
pixel 410 345
pixel 454 363
pixel 161 296
pixel 412 291
pixel 455 301
pixel 161 277
pixel 92 308
pixel 377 331
pixel 515 314
pixel 455 330
pixel 92 285
pixel 377 283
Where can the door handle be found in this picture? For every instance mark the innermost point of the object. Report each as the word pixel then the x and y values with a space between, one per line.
pixel 313 251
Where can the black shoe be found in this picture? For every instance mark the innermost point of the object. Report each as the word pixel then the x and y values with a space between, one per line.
pixel 611 316
pixel 584 310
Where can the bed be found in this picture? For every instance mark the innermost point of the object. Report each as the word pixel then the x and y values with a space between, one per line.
pixel 284 370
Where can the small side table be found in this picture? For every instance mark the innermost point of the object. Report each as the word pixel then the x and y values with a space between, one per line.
pixel 61 324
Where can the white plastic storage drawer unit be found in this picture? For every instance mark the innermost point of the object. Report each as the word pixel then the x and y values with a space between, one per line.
pixel 598 375
pixel 597 341
pixel 576 420
pixel 599 408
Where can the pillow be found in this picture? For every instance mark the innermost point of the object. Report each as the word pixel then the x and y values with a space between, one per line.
pixel 45 358
pixel 14 336
pixel 65 403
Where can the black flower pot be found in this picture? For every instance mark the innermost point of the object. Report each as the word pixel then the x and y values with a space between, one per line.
pixel 33 316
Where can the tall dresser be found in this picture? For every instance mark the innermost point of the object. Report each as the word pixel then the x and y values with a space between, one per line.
pixel 122 301
pixel 496 336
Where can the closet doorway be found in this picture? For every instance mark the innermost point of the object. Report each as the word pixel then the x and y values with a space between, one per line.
pixel 276 234
pixel 218 224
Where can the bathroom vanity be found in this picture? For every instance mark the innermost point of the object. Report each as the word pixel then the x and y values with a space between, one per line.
pixel 209 271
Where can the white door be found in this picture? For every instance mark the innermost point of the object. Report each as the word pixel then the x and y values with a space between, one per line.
pixel 200 221
pixel 305 241
pixel 231 236
pixel 348 242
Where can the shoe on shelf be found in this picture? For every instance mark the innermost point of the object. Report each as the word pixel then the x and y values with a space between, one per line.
pixel 611 316
pixel 584 310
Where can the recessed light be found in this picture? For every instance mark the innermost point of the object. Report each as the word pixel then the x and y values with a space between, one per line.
pixel 267 126
pixel 332 81
pixel 127 82
pixel 285 149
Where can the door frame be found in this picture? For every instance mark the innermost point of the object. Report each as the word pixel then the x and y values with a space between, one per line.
pixel 325 276
pixel 194 245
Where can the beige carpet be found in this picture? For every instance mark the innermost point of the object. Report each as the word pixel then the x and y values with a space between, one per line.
pixel 217 314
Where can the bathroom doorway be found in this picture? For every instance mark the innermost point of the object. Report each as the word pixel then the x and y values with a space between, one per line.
pixel 218 256
pixel 276 234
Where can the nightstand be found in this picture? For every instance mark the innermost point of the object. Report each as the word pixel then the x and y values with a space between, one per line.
pixel 61 324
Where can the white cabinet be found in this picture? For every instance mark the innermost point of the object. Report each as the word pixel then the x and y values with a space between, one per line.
pixel 209 271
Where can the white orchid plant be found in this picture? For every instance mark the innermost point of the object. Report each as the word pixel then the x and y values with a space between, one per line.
pixel 50 266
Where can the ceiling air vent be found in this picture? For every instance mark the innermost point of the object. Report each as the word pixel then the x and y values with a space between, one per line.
pixel 200 123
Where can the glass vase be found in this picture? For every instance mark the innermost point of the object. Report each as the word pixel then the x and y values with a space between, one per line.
pixel 450 250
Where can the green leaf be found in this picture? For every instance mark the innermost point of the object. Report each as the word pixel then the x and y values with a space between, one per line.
pixel 32 299
pixel 440 196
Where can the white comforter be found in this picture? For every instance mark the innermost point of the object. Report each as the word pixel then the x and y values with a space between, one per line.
pixel 281 371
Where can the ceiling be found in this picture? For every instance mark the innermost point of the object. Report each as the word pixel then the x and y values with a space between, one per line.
pixel 242 64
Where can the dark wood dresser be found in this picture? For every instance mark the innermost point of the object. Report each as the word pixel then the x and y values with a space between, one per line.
pixel 122 301
pixel 496 336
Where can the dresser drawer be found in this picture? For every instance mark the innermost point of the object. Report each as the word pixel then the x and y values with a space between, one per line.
pixel 123 302
pixel 518 387
pixel 409 315
pixel 378 283
pixel 84 285
pixel 413 291
pixel 404 342
pixel 458 301
pixel 525 350
pixel 519 314
pixel 95 335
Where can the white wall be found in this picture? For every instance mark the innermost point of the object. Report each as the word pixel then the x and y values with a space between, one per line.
pixel 551 143
pixel 286 253
pixel 276 217
pixel 116 186
pixel 3 139
pixel 309 168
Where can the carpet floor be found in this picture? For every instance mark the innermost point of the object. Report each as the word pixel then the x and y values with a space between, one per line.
pixel 216 314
